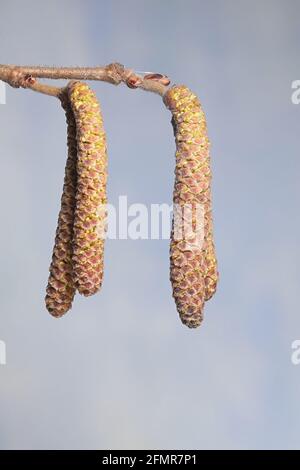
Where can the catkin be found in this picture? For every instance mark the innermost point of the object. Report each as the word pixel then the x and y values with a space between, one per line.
pixel 193 270
pixel 90 212
pixel 61 289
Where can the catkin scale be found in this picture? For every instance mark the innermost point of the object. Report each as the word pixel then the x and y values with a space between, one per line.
pixel 193 270
pixel 61 289
pixel 90 213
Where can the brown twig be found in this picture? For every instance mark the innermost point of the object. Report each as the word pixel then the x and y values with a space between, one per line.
pixel 26 77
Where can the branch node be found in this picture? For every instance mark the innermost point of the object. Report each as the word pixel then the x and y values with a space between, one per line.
pixel 115 72
pixel 14 77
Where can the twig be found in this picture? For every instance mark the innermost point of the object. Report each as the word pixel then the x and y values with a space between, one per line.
pixel 25 77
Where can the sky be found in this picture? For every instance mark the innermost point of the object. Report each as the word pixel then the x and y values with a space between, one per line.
pixel 120 371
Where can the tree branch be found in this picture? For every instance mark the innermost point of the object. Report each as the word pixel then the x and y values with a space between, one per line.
pixel 26 77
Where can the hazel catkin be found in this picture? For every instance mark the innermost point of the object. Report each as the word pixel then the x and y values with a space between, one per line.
pixel 61 289
pixel 193 266
pixel 90 211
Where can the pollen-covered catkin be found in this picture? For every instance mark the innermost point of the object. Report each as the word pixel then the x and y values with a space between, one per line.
pixel 61 288
pixel 90 211
pixel 193 270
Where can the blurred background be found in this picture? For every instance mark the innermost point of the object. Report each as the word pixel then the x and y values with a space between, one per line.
pixel 120 371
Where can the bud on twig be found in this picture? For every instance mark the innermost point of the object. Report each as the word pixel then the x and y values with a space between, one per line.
pixel 158 77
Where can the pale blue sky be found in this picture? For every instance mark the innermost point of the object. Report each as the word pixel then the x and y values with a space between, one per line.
pixel 120 371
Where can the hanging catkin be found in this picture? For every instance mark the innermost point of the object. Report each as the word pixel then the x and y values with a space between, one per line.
pixel 193 270
pixel 61 289
pixel 90 212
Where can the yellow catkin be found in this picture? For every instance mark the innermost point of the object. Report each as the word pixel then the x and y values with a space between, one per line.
pixel 61 289
pixel 193 270
pixel 90 212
